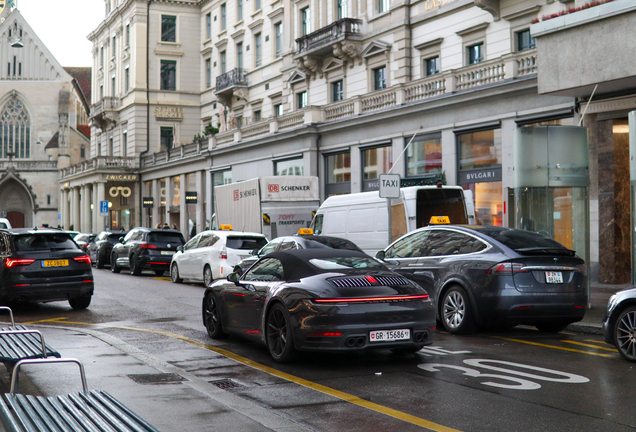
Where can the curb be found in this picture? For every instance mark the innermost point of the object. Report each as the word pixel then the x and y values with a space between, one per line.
pixel 582 328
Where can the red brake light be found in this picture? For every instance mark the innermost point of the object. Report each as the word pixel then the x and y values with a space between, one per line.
pixel 370 299
pixel 506 269
pixel 324 334
pixel 224 254
pixel 12 262
pixel 582 268
pixel 147 246
pixel 84 258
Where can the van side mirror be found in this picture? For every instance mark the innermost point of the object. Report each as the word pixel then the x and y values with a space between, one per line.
pixel 380 255
pixel 233 277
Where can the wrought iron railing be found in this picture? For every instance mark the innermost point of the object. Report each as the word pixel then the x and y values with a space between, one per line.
pixel 342 28
pixel 235 77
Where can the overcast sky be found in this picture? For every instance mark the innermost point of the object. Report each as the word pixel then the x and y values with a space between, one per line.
pixel 63 26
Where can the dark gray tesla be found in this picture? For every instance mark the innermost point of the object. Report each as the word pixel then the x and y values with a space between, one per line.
pixel 320 299
pixel 479 275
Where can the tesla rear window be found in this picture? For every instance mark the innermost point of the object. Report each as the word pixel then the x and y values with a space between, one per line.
pixel 44 242
pixel 246 243
pixel 173 238
pixel 339 263
pixel 332 243
pixel 519 239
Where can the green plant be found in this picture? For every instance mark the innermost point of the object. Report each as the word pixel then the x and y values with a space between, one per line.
pixel 210 130
pixel 197 138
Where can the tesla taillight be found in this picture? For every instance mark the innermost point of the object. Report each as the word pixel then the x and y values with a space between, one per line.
pixel 506 269
pixel 83 259
pixel 147 246
pixel 12 262
pixel 581 268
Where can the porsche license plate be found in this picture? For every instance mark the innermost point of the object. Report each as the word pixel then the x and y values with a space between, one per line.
pixel 167 253
pixel 554 277
pixel 54 263
pixel 389 335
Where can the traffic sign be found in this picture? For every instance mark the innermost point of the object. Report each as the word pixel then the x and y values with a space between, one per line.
pixel 103 208
pixel 389 185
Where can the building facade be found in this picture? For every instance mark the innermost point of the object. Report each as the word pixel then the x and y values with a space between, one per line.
pixel 42 110
pixel 192 94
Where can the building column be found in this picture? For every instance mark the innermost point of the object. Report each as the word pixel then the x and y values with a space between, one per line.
pixel 209 199
pixel 75 208
pixel 95 209
pixel 156 199
pixel 200 216
pixel 183 208
pixel 82 202
pixel 169 193
pixel 64 209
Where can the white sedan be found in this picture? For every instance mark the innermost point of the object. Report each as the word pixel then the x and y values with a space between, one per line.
pixel 212 255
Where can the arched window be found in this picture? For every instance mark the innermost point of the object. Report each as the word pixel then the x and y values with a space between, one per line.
pixel 15 130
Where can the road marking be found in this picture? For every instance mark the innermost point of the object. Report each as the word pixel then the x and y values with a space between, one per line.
pixel 590 345
pixel 297 380
pixel 555 347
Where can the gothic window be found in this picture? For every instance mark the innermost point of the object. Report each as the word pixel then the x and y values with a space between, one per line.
pixel 15 130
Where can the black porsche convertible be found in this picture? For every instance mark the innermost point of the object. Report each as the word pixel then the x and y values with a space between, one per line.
pixel 320 299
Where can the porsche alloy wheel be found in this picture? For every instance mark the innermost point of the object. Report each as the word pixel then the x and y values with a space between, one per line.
pixel 211 317
pixel 278 333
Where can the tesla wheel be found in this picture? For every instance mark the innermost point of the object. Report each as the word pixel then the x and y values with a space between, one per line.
pixel 174 274
pixel 113 264
pixel 135 270
pixel 456 313
pixel 81 302
pixel 278 334
pixel 207 276
pixel 552 327
pixel 99 261
pixel 625 334
pixel 211 317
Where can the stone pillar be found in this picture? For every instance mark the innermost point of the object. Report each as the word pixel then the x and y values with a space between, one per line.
pixel 156 198
pixel 64 209
pixel 86 208
pixel 75 208
pixel 95 216
pixel 169 193
pixel 200 215
pixel 209 199
pixel 183 208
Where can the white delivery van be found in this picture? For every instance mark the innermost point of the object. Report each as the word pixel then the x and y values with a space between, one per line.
pixel 363 217
pixel 274 206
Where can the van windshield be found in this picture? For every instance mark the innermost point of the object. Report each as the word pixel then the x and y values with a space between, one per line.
pixel 440 202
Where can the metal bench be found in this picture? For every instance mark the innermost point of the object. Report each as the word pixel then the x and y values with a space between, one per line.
pixel 83 411
pixel 19 343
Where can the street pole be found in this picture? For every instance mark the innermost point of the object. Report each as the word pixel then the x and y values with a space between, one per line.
pixel 388 205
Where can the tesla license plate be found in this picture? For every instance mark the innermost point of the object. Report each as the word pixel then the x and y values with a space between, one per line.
pixel 167 253
pixel 389 335
pixel 54 263
pixel 554 277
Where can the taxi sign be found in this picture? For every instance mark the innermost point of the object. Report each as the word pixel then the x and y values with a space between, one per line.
pixel 305 231
pixel 226 227
pixel 439 220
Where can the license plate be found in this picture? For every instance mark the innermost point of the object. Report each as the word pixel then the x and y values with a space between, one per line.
pixel 167 253
pixel 554 277
pixel 389 335
pixel 54 263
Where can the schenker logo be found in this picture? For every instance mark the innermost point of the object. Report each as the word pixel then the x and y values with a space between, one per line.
pixel 248 193
pixel 274 188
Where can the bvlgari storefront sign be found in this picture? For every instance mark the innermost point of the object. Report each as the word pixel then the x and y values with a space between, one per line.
pixel 480 176
pixel 171 113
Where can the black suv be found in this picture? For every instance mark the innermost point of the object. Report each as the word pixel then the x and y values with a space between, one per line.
pixel 102 246
pixel 146 248
pixel 43 265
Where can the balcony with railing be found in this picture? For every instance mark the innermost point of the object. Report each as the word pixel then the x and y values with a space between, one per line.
pixel 101 163
pixel 105 111
pixel 230 80
pixel 319 42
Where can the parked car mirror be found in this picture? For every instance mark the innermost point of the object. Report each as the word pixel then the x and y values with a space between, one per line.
pixel 179 248
pixel 254 252
pixel 121 239
pixel 380 255
pixel 233 277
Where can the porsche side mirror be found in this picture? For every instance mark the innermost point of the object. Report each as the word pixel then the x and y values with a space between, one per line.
pixel 380 255
pixel 233 277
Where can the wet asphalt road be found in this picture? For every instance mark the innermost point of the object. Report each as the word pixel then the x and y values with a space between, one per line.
pixel 515 380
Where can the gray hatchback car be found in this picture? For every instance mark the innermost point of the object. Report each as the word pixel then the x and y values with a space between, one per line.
pixel 480 275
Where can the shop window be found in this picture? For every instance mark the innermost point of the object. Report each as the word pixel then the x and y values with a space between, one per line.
pixel 338 173
pixel 375 161
pixel 289 167
pixel 424 156
pixel 488 200
pixel 480 149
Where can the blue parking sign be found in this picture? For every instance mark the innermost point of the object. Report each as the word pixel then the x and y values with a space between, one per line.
pixel 103 208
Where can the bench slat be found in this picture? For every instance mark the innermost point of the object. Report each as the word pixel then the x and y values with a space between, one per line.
pixel 122 420
pixel 21 417
pixel 85 422
pixel 15 347
pixel 70 420
pixel 41 420
pixel 7 419
pixel 49 414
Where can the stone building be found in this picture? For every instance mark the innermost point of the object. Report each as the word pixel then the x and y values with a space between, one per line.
pixel 334 89
pixel 42 109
